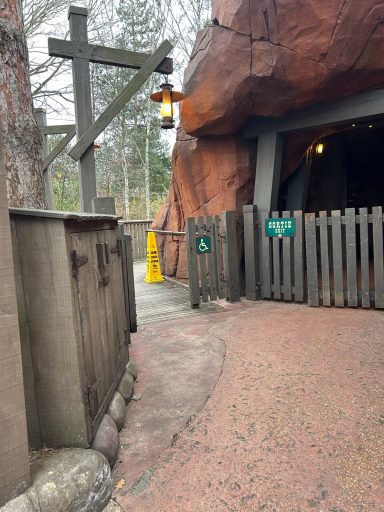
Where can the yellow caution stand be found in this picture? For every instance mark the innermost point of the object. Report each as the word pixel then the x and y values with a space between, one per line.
pixel 153 274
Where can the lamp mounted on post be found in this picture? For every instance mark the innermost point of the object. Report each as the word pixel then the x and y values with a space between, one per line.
pixel 167 98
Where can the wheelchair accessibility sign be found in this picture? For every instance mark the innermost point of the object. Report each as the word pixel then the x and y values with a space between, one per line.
pixel 203 245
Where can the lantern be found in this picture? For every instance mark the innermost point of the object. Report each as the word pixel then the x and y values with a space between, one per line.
pixel 319 149
pixel 167 98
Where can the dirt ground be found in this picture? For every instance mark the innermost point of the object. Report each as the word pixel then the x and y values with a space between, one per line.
pixel 263 407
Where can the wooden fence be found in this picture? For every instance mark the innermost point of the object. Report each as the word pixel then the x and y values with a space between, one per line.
pixel 137 230
pixel 345 263
pixel 215 273
pixel 332 260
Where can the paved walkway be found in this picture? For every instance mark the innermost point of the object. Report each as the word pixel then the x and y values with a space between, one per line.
pixel 264 407
pixel 164 301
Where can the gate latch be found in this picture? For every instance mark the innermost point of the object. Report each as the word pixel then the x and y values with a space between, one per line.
pixel 77 262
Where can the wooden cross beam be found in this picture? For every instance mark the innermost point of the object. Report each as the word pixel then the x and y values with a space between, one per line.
pixel 120 101
pixel 82 54
pixel 105 55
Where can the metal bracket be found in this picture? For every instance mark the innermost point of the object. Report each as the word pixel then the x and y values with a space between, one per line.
pixel 77 262
pixel 117 248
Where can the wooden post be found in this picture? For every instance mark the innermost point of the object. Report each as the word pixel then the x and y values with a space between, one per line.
pixel 14 463
pixel 83 106
pixel 104 205
pixel 193 268
pixel 230 256
pixel 268 167
pixel 251 248
pixel 41 118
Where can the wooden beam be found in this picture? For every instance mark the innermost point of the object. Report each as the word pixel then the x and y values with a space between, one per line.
pixel 59 148
pixel 83 107
pixel 268 167
pixel 104 55
pixel 56 129
pixel 120 101
pixel 41 118
pixel 356 108
pixel 14 461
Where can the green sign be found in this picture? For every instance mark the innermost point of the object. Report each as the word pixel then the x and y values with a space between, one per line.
pixel 280 227
pixel 203 244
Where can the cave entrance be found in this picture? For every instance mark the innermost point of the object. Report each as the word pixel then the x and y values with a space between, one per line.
pixel 349 173
pixel 333 202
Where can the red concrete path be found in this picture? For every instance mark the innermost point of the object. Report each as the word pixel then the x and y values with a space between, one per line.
pixel 294 423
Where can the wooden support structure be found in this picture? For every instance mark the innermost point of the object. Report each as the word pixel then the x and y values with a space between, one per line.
pixel 83 106
pixel 14 461
pixel 331 113
pixel 268 166
pixel 41 118
pixel 251 251
pixel 87 130
pixel 104 205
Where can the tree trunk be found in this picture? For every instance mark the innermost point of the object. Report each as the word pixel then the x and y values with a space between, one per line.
pixel 21 136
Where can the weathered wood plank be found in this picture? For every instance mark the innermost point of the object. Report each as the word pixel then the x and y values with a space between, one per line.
pixel 14 461
pixel 57 129
pixel 276 264
pixel 311 258
pixel 350 238
pixel 83 108
pixel 364 258
pixel 377 222
pixel 131 283
pixel 268 167
pixel 230 256
pixel 212 264
pixel 41 118
pixel 219 257
pixel 193 269
pixel 105 205
pixel 324 254
pixel 251 248
pixel 265 263
pixel 104 55
pixel 120 101
pixel 287 268
pixel 354 108
pixel 58 149
pixel 298 257
pixel 202 263
pixel 337 257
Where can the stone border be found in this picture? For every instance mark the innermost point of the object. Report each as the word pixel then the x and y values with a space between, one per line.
pixel 76 478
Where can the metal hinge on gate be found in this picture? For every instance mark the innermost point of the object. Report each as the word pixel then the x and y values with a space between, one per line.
pixel 77 262
pixel 117 248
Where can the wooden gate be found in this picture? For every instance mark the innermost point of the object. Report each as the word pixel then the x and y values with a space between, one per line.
pixel 331 260
pixel 213 269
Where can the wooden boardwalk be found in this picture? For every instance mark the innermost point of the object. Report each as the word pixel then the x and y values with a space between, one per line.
pixel 164 301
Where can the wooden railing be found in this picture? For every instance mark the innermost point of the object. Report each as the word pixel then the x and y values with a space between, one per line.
pixel 137 230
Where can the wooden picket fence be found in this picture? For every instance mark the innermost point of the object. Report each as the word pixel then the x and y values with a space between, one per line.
pixel 332 259
pixel 216 274
pixel 137 230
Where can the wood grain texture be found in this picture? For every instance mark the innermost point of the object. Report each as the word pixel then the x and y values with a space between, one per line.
pixel 83 111
pixel 298 257
pixel 287 270
pixel 364 258
pixel 265 264
pixel 193 269
pixel 337 253
pixel 230 256
pixel 104 55
pixel 324 256
pixel 276 287
pixel 212 262
pixel 92 132
pixel 311 258
pixel 47 281
pixel 378 255
pixel 14 462
pixel 251 252
pixel 350 240
pixel 355 108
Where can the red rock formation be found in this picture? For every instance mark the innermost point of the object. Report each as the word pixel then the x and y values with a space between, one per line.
pixel 263 57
